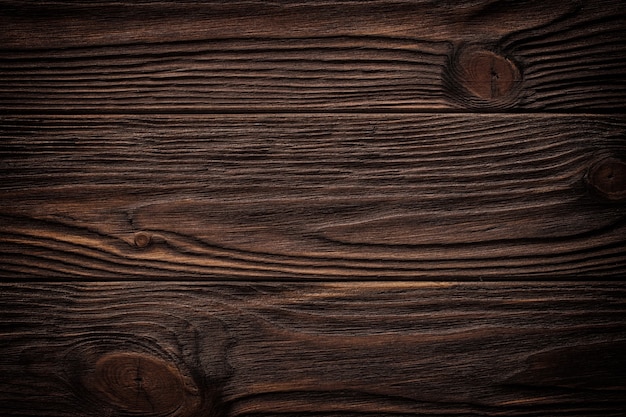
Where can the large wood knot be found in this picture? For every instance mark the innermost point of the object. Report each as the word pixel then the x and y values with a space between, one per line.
pixel 488 75
pixel 483 78
pixel 138 383
pixel 607 178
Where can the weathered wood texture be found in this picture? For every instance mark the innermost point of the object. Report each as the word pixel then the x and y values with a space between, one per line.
pixel 256 349
pixel 154 56
pixel 265 184
pixel 306 196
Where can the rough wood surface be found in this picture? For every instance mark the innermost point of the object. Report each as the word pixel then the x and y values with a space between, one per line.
pixel 155 56
pixel 313 196
pixel 333 349
pixel 284 208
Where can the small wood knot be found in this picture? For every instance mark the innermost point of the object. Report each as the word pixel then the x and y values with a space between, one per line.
pixel 607 178
pixel 142 384
pixel 142 240
pixel 486 74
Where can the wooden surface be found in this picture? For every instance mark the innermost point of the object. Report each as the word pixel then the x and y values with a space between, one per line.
pixel 154 56
pixel 314 196
pixel 385 349
pixel 304 208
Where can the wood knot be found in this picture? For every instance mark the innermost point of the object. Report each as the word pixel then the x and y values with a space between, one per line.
pixel 486 74
pixel 137 383
pixel 142 240
pixel 607 178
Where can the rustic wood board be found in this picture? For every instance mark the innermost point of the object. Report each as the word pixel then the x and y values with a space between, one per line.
pixel 324 349
pixel 313 196
pixel 154 56
pixel 304 208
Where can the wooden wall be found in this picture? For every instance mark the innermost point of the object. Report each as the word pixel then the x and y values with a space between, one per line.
pixel 305 208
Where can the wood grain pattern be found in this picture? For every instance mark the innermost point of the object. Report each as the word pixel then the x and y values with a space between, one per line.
pixel 254 208
pixel 332 349
pixel 313 196
pixel 155 56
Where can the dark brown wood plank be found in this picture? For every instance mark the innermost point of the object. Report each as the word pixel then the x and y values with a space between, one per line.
pixel 333 349
pixel 164 56
pixel 313 197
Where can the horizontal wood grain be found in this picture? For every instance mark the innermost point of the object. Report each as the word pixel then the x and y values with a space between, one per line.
pixel 312 208
pixel 313 196
pixel 164 56
pixel 332 349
